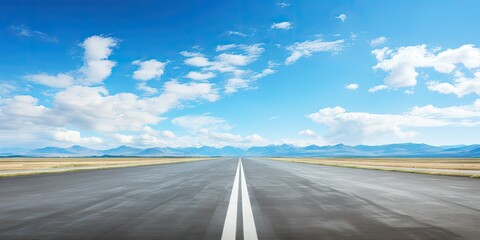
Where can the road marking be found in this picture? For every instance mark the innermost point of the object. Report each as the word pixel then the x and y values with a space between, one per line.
pixel 230 226
pixel 249 230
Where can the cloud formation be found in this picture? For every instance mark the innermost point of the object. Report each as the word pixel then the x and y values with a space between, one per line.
pixel 24 31
pixel 282 25
pixel 352 86
pixel 378 41
pixel 148 70
pixel 342 17
pixel 307 48
pixel 362 127
pixel 96 66
pixel 402 66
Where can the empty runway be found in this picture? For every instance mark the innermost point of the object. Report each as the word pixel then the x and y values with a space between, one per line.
pixel 223 199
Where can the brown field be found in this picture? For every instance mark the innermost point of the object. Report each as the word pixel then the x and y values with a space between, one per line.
pixel 443 166
pixel 29 166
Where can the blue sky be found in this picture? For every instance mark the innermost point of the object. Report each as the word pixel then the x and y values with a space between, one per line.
pixel 240 73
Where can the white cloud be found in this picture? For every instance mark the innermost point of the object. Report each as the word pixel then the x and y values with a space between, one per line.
pixel 381 53
pixel 92 108
pixel 462 85
pixel 360 127
pixel 264 73
pixel 409 92
pixel 148 69
pixel 168 134
pixel 21 106
pixel 234 84
pixel 402 64
pixel 240 34
pixel 65 135
pixel 234 59
pixel 282 25
pixel 377 88
pixel 142 86
pixel 61 80
pixel 352 86
pixel 307 48
pixel 96 66
pixel 200 76
pixel 197 61
pixel 191 54
pixel 342 17
pixel 6 88
pixel 124 139
pixel 378 41
pixel 283 4
pixel 307 133
pixel 220 48
pixel 24 31
pixel 231 62
pixel 197 122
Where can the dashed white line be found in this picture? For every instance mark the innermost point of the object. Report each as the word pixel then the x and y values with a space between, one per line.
pixel 230 226
pixel 249 230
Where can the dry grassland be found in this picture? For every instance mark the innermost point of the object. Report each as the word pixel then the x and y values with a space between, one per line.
pixel 442 166
pixel 29 166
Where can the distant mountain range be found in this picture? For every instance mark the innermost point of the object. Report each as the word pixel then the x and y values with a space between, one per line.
pixel 285 150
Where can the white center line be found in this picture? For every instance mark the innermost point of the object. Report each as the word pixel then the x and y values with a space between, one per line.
pixel 230 226
pixel 249 230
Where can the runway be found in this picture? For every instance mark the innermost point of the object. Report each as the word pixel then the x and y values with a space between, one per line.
pixel 229 199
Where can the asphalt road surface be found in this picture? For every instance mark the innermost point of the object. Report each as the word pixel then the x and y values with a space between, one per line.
pixel 226 199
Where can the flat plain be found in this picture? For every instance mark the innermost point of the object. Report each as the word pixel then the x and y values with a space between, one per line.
pixel 469 167
pixel 287 201
pixel 31 166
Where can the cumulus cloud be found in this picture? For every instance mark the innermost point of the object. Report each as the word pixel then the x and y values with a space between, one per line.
pixel 378 41
pixel 96 66
pixel 342 17
pixel 307 48
pixel 197 122
pixel 462 85
pixel 6 88
pixel 197 61
pixel 168 134
pixel 352 86
pixel 282 25
pixel 142 86
pixel 93 108
pixel 61 80
pixel 234 84
pixel 124 139
pixel 149 69
pixel 377 88
pixel 283 4
pixel 401 65
pixel 231 62
pixel 65 135
pixel 360 127
pixel 307 133
pixel 200 76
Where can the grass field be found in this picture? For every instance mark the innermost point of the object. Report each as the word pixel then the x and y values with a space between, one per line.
pixel 29 166
pixel 469 167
